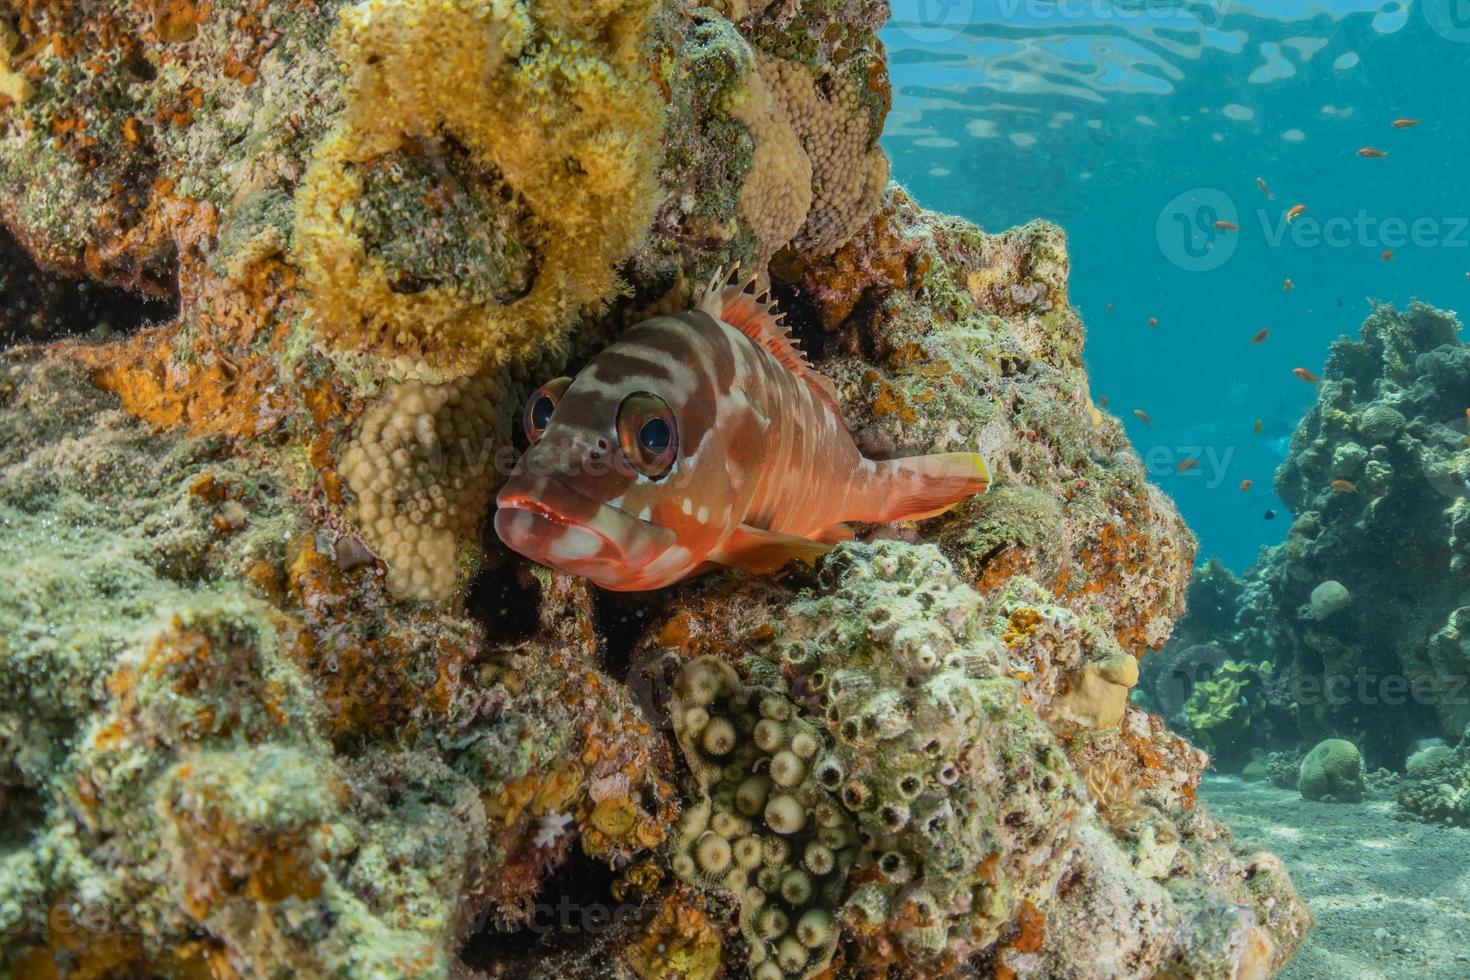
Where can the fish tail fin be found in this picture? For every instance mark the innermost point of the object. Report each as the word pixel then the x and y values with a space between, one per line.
pixel 919 487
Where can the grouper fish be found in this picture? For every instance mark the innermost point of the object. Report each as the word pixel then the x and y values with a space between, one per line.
pixel 702 440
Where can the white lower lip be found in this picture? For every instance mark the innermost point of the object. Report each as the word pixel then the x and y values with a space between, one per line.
pixel 574 544
pixel 540 537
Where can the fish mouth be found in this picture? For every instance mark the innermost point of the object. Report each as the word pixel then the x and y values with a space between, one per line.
pixel 554 524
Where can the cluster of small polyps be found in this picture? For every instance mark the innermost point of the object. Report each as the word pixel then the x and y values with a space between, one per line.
pixel 893 657
pixel 420 470
pixel 848 757
pixel 769 830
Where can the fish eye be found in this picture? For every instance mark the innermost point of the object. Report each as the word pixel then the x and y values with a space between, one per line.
pixel 536 416
pixel 654 435
pixel 648 434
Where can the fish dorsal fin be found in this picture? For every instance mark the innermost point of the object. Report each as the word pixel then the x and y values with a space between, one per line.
pixel 736 303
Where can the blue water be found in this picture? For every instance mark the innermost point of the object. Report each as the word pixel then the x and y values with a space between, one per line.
pixel 1137 126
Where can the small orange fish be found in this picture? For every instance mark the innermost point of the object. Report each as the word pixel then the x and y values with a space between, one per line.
pixel 1226 226
pixel 1388 255
pixel 1259 427
pixel 1186 465
pixel 1304 375
pixel 1102 401
pixel 1261 335
pixel 1297 210
pixel 1345 486
pixel 1245 486
pixel 1261 183
pixel 1153 321
pixel 1405 123
pixel 1372 153
pixel 1143 417
pixel 1288 285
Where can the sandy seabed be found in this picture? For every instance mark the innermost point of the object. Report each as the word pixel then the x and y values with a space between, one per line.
pixel 1392 897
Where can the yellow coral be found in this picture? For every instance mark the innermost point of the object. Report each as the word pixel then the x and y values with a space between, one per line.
pixel 421 469
pixel 554 97
pixel 12 85
pixel 777 194
pixel 1096 695
pixel 732 9
pixel 678 942
pixel 849 169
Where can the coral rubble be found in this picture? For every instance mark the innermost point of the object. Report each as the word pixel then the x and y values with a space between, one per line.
pixel 274 704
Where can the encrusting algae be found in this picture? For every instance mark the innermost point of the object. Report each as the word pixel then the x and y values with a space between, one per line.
pixel 554 106
pixel 279 704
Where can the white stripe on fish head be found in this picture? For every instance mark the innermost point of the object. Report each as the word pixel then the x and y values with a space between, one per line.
pixel 692 366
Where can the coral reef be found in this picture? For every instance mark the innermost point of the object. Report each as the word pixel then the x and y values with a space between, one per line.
pixel 1284 769
pixel 337 216
pixel 536 181
pixel 274 704
pixel 877 771
pixel 420 474
pixel 1365 649
pixel 1436 788
pixel 224 744
pixel 1220 709
pixel 1332 772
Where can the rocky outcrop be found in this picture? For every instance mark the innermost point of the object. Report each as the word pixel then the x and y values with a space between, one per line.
pixel 1362 610
pixel 277 706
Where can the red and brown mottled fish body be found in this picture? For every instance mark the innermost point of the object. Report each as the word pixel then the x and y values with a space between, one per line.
pixel 700 440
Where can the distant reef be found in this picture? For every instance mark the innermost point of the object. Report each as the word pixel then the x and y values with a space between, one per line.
pixel 1358 626
pixel 274 705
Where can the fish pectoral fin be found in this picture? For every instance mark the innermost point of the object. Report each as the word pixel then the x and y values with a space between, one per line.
pixel 757 550
pixel 833 534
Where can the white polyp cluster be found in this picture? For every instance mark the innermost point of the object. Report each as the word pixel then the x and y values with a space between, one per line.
pixel 767 831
